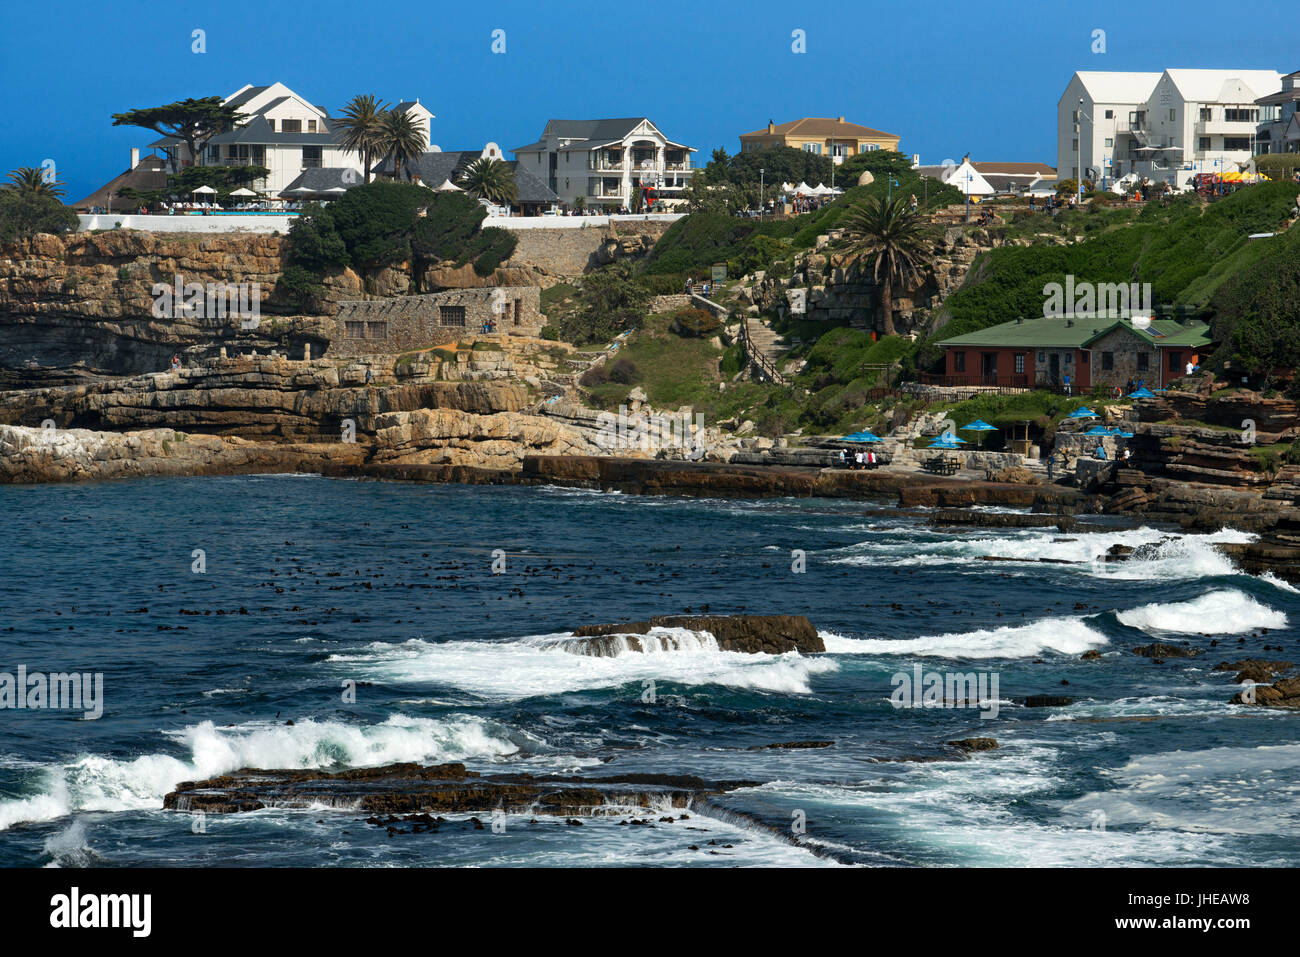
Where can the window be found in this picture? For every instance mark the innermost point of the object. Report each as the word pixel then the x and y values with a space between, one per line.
pixel 1144 361
pixel 1109 142
pixel 451 315
pixel 1108 360
pixel 311 126
pixel 1069 357
pixel 214 154
pixel 1042 355
pixel 1020 363
pixel 1173 115
pixel 959 361
pixel 354 330
pixel 376 330
pixel 311 157
pixel 1241 115
pixel 1231 143
pixel 519 309
pixel 1110 114
pixel 1074 144
pixel 291 126
pixel 1175 362
pixel 812 148
pixel 1207 114
pixel 1203 144
pixel 1083 358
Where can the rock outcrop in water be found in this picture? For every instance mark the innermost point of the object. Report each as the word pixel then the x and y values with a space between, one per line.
pixel 442 788
pixel 753 634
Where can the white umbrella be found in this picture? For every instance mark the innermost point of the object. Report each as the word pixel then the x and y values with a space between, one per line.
pixel 448 186
pixel 336 189
pixel 300 189
pixel 204 189
pixel 242 191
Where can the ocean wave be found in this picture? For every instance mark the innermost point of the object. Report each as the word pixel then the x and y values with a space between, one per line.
pixel 1221 612
pixel 96 783
pixel 1068 636
pixel 556 663
pixel 1163 554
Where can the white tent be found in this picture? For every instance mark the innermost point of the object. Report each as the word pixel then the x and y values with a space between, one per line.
pixel 448 186
pixel 821 189
pixel 803 189
pixel 787 187
pixel 204 189
pixel 243 191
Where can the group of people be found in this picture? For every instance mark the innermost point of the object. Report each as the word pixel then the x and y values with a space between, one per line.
pixel 703 288
pixel 175 365
pixel 864 459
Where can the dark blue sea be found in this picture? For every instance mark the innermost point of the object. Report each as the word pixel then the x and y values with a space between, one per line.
pixel 219 610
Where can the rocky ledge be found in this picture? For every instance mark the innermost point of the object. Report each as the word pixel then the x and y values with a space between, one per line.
pixel 440 788
pixel 753 634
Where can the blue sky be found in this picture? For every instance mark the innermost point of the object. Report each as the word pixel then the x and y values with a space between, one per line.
pixel 978 77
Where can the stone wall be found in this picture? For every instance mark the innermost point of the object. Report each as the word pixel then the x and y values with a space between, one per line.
pixel 572 252
pixel 406 323
pixel 1125 349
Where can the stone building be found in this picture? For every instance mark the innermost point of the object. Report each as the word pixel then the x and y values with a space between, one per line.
pixel 407 323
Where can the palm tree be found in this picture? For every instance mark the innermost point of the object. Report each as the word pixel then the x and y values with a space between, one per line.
pixel 30 179
pixel 401 139
pixel 490 179
pixel 896 239
pixel 358 129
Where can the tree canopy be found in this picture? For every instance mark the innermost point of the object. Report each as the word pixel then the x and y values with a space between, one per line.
pixel 194 121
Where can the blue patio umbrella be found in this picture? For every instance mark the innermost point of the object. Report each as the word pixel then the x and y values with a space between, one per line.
pixel 1099 430
pixel 946 441
pixel 979 425
pixel 1120 433
pixel 1083 412
pixel 1143 393
pixel 863 436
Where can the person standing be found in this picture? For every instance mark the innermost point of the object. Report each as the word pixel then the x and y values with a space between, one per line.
pixel 1067 384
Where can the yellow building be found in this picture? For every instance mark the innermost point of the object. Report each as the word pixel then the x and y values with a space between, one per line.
pixel 835 138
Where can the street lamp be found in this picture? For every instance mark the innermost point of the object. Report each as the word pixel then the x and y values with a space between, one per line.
pixel 1078 147
pixel 760 194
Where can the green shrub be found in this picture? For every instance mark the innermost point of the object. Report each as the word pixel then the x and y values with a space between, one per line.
pixel 695 323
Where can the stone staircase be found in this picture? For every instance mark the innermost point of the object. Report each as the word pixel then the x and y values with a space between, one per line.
pixel 765 348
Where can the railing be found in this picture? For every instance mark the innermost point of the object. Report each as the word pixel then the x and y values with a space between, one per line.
pixel 970 380
pixel 766 367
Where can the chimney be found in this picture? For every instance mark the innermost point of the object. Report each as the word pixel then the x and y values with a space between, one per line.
pixel 771 127
pixel 839 119
pixel 135 156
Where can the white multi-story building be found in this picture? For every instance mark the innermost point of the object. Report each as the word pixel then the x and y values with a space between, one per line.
pixel 1164 127
pixel 283 132
pixel 607 162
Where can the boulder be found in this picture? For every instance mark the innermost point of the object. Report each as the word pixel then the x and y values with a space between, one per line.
pixel 752 634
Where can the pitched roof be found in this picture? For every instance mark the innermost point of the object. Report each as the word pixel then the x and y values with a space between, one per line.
pixel 1117 87
pixel 1036 333
pixel 325 177
pixel 822 126
pixel 1162 332
pixel 258 130
pixel 239 99
pixel 1015 169
pixel 149 173
pixel 1208 86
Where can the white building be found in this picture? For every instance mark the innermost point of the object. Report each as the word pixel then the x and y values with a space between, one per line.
pixel 962 175
pixel 283 132
pixel 606 162
pixel 1166 127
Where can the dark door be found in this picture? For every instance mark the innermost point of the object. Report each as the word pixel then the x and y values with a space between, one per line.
pixel 1054 364
pixel 989 367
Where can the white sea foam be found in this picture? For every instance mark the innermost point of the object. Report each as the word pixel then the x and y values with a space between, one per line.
pixel 1224 790
pixel 96 783
pixel 1221 612
pixel 1069 636
pixel 548 664
pixel 1165 555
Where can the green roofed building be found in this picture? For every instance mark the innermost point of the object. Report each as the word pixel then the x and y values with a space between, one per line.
pixel 1089 350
